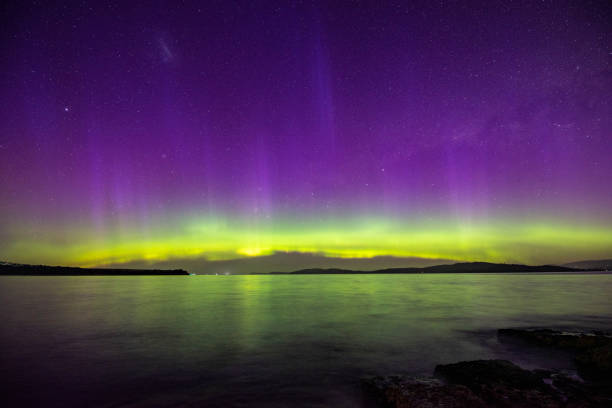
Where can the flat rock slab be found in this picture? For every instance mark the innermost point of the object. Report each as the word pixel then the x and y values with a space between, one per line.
pixel 566 340
pixel 486 383
pixel 592 350
pixel 500 383
pixel 408 392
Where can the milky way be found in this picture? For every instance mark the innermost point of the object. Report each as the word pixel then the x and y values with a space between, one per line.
pixel 133 133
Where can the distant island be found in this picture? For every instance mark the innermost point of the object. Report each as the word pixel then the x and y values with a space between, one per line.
pixel 7 268
pixel 464 267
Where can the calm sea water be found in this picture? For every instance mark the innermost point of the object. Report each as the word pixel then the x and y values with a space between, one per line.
pixel 267 340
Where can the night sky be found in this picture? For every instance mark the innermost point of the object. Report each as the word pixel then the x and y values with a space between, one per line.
pixel 164 133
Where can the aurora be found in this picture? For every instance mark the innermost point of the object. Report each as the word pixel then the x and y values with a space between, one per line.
pixel 306 203
pixel 243 133
pixel 225 238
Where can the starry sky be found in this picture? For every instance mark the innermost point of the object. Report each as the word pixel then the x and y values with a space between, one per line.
pixel 258 135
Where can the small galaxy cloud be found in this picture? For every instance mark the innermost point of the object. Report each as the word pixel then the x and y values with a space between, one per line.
pixel 165 52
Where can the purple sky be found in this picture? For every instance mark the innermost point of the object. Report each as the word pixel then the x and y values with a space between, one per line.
pixel 125 116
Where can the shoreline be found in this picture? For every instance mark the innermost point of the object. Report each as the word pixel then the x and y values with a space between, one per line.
pixel 502 383
pixel 8 268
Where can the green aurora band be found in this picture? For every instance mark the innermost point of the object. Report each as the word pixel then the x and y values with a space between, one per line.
pixel 223 238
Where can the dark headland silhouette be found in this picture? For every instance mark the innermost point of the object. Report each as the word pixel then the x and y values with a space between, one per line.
pixel 464 267
pixel 7 268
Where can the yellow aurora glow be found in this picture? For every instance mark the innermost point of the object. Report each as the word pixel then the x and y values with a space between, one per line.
pixel 219 238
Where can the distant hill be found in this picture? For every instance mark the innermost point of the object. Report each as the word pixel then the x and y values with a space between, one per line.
pixel 7 268
pixel 465 267
pixel 592 264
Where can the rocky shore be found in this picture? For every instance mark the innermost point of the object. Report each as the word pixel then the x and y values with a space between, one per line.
pixel 592 350
pixel 501 383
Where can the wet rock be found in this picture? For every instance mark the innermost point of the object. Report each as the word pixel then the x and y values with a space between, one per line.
pixel 486 372
pixel 577 393
pixel 501 383
pixel 596 364
pixel 593 350
pixel 566 340
pixel 489 383
pixel 407 392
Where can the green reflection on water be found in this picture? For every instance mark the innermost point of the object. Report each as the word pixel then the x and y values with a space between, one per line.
pixel 245 331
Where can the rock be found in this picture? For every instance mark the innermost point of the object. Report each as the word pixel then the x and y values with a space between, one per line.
pixel 501 383
pixel 593 350
pixel 487 372
pixel 573 341
pixel 579 394
pixel 406 392
pixel 489 383
pixel 595 364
